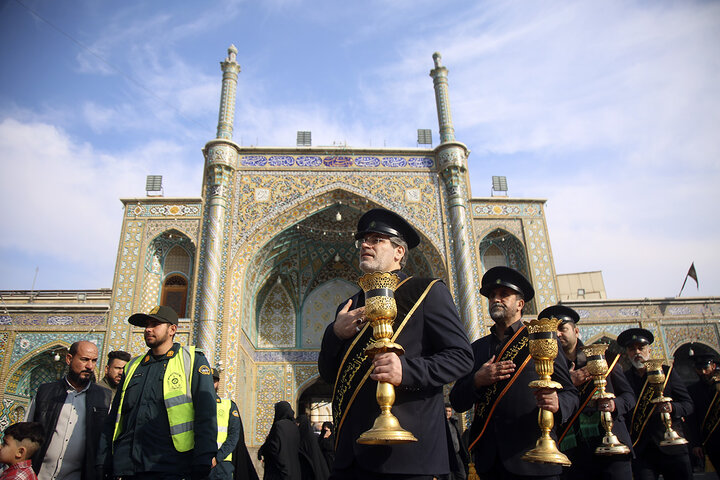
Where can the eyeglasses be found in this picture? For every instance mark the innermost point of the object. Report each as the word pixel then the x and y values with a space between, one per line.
pixel 371 241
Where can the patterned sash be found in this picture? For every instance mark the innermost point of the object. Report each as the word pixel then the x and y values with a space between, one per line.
pixel 356 367
pixel 644 409
pixel 712 418
pixel 586 394
pixel 516 347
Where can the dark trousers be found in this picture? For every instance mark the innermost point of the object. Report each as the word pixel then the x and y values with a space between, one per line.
pixel 357 473
pixel 498 472
pixel 155 476
pixel 652 462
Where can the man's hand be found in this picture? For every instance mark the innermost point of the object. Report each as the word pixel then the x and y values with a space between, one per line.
pixel 387 368
pixel 579 376
pixel 606 405
pixel 214 463
pixel 491 372
pixel 349 322
pixel 547 399
pixel 665 407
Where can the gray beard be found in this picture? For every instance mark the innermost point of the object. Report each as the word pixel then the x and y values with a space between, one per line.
pixel 639 364
pixel 498 314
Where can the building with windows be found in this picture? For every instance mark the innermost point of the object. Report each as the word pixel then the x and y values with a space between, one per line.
pixel 257 265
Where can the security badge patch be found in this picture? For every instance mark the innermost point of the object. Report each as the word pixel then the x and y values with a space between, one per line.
pixel 235 413
pixel 154 310
pixel 205 370
pixel 175 381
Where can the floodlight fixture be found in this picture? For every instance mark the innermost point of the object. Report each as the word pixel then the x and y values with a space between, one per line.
pixel 499 186
pixel 304 138
pixel 153 186
pixel 424 136
pixel 581 292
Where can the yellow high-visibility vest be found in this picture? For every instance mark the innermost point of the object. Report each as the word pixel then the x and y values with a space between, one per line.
pixel 223 419
pixel 177 395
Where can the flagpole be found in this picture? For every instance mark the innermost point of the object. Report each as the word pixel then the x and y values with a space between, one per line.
pixel 681 288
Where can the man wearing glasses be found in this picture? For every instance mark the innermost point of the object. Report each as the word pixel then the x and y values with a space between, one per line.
pixel 437 352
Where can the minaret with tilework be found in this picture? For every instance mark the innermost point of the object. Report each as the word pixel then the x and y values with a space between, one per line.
pixel 452 162
pixel 221 157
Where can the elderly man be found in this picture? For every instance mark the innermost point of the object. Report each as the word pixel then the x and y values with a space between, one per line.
pixel 645 423
pixel 163 423
pixel 72 411
pixel 437 352
pixel 705 420
pixel 583 433
pixel 117 360
pixel 505 425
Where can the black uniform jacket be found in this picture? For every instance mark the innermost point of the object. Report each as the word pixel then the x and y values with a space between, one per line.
pixel 437 352
pixel 513 428
pixel 702 394
pixel 654 431
pixel 582 454
pixel 144 444
pixel 49 401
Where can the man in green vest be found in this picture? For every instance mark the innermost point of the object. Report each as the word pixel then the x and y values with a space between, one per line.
pixel 162 424
pixel 228 421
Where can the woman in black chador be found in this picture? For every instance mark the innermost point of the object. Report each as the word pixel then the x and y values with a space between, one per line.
pixel 281 450
pixel 312 463
pixel 327 443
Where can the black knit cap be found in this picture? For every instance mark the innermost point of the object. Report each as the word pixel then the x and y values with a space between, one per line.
pixel 160 313
pixel 506 277
pixel 379 220
pixel 561 312
pixel 635 335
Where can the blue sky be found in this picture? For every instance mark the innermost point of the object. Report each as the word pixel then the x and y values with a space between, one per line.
pixel 609 110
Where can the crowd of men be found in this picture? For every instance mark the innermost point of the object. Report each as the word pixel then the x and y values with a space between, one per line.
pixel 158 415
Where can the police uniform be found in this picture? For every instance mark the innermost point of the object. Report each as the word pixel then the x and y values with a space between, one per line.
pixel 229 426
pixel 584 433
pixel 704 423
pixel 137 442
pixel 437 352
pixel 673 462
pixel 511 429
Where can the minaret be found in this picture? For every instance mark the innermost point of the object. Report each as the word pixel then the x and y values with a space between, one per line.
pixel 226 117
pixel 221 157
pixel 452 163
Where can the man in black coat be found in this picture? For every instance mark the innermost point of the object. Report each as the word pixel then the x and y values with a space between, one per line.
pixel 436 352
pixel 580 437
pixel 505 425
pixel 72 411
pixel 705 420
pixel 645 422
pixel 281 451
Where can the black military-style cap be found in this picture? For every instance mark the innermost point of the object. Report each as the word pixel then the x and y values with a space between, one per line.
pixel 561 312
pixel 215 374
pixel 379 220
pixel 635 335
pixel 161 313
pixel 506 277
pixel 703 360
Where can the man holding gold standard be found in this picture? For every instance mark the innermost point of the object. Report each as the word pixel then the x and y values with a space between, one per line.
pixel 434 351
pixel 505 424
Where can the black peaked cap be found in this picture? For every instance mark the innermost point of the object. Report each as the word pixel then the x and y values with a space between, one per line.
pixel 561 312
pixel 379 220
pixel 635 335
pixel 506 277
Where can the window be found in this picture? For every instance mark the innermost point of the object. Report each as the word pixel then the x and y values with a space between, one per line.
pixel 174 294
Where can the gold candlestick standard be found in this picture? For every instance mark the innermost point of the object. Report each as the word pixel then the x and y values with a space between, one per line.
pixel 656 377
pixel 543 349
pixel 380 310
pixel 597 367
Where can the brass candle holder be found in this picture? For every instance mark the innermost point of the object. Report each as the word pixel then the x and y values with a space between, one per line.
pixel 597 367
pixel 543 346
pixel 656 377
pixel 381 310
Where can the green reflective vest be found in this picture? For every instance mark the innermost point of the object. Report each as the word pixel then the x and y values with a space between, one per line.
pixel 177 395
pixel 223 419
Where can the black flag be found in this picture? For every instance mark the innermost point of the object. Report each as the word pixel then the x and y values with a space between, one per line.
pixel 692 274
